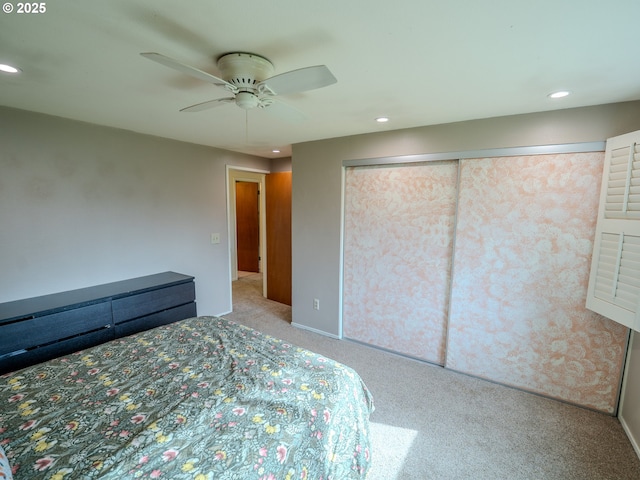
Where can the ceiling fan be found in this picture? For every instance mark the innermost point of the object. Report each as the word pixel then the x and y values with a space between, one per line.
pixel 249 77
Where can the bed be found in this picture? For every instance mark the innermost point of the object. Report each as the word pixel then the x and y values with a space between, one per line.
pixel 124 380
pixel 201 398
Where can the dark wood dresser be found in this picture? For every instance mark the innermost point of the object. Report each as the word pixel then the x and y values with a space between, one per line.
pixel 37 329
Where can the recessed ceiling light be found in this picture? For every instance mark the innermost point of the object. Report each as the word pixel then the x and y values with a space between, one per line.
pixel 8 68
pixel 382 119
pixel 559 94
pixel 275 150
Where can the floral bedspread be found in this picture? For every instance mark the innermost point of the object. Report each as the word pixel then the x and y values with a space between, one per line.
pixel 204 398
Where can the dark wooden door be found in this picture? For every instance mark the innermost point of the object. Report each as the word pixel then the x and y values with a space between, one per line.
pixel 247 227
pixel 278 219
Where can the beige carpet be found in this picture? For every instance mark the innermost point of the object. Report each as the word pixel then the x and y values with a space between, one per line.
pixel 431 423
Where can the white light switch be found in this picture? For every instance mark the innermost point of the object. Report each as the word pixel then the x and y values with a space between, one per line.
pixel 215 238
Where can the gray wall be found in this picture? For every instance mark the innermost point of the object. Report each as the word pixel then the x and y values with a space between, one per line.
pixel 82 205
pixel 281 164
pixel 630 405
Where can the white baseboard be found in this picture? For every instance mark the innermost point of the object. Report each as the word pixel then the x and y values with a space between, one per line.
pixel 315 330
pixel 632 439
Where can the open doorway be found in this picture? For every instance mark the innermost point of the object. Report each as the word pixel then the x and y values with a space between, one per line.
pixel 270 195
pixel 247 240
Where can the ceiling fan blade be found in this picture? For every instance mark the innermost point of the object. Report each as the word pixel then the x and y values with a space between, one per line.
pixel 300 80
pixel 194 72
pixel 284 111
pixel 218 102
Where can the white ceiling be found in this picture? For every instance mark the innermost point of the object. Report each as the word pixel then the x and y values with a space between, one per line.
pixel 420 62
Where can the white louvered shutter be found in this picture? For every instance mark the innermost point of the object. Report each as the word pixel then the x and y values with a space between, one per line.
pixel 614 283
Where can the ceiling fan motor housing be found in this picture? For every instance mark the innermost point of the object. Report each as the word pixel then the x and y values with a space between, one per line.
pixel 245 70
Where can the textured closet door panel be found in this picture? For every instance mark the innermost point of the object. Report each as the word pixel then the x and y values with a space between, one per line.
pixel 399 223
pixel 525 231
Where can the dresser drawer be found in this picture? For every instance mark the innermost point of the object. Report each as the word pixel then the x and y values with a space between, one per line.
pixel 64 347
pixel 151 321
pixel 33 332
pixel 143 304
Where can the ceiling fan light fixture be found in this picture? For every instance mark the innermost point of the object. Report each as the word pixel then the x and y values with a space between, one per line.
pixel 247 100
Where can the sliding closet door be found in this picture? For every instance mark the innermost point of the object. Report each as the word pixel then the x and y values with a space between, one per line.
pixel 523 248
pixel 399 223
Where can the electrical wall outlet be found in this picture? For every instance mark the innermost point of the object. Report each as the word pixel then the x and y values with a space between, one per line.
pixel 215 238
pixel 316 304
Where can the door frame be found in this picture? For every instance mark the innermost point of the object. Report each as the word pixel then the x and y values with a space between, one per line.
pixel 244 174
